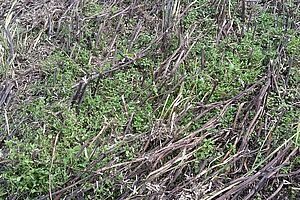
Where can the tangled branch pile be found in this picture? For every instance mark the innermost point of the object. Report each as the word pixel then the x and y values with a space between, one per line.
pixel 162 99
